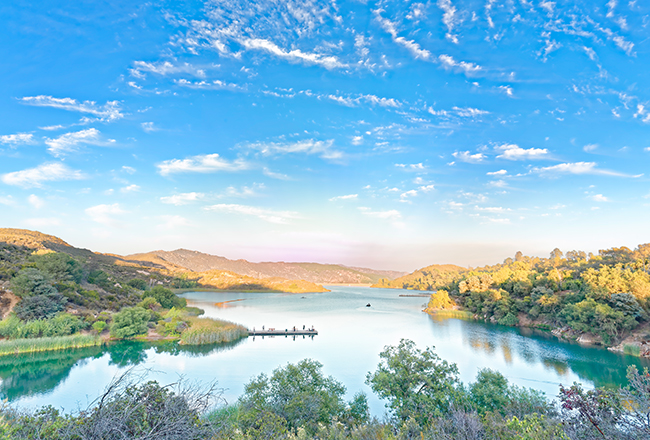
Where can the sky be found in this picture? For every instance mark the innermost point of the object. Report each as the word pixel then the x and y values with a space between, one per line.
pixel 381 134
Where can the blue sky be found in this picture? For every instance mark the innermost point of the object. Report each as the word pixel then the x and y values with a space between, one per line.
pixel 381 134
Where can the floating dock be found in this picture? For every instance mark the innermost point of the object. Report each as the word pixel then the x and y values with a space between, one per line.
pixel 283 332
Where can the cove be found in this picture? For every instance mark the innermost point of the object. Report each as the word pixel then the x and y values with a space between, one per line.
pixel 351 336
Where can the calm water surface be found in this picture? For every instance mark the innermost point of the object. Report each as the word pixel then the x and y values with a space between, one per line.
pixel 350 338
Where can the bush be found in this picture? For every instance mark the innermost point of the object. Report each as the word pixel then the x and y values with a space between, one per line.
pixel 99 326
pixel 40 306
pixel 129 322
pixel 165 297
pixel 62 324
pixel 60 267
pixel 137 283
pixel 30 282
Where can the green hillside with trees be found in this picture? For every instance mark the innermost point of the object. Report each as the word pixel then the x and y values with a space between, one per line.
pixel 575 294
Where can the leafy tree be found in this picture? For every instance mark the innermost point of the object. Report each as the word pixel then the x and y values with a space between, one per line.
pixel 129 322
pixel 417 384
pixel 296 395
pixel 31 281
pixel 40 306
pixel 60 267
pixel 165 297
pixel 99 278
pixel 440 300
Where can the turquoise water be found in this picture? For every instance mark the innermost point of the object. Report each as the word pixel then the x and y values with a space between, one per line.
pixel 350 338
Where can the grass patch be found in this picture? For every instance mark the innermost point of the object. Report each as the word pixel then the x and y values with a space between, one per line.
pixel 458 314
pixel 210 331
pixel 632 350
pixel 34 345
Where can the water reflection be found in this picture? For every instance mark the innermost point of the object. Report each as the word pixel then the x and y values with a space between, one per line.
pixel 39 373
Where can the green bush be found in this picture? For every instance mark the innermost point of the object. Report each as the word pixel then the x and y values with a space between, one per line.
pixel 129 322
pixel 137 283
pixel 31 281
pixel 99 326
pixel 165 297
pixel 40 306
pixel 62 324
pixel 60 267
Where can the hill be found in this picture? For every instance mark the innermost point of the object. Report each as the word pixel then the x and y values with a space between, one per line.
pixel 427 278
pixel 312 272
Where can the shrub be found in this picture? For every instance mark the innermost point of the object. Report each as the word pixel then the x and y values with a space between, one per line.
pixel 137 283
pixel 129 322
pixel 165 297
pixel 60 267
pixel 40 306
pixel 99 326
pixel 31 281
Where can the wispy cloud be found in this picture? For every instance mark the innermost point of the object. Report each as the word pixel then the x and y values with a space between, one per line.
pixel 468 157
pixel 47 172
pixel 107 112
pixel 414 48
pixel 598 198
pixel 269 215
pixel 130 188
pixel 104 214
pixel 323 149
pixel 17 139
pixel 579 168
pixel 35 201
pixel 449 18
pixel 327 61
pixel 469 69
pixel 347 197
pixel 391 214
pixel 515 152
pixel 206 163
pixel 497 173
pixel 68 143
pixel 165 68
pixel 183 198
pixel 215 84
pixel 415 167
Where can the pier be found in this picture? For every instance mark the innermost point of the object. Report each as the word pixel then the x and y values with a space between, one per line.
pixel 294 331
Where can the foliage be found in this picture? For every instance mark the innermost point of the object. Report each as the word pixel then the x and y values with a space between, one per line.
pixel 294 396
pixel 40 306
pixel 60 325
pixel 138 283
pixel 417 384
pixel 31 281
pixel 99 326
pixel 59 266
pixel 165 297
pixel 440 301
pixel 129 322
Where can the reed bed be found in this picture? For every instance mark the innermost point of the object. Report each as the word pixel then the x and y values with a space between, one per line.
pixel 34 345
pixel 210 331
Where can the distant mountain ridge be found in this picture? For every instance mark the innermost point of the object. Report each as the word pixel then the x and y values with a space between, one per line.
pixel 313 272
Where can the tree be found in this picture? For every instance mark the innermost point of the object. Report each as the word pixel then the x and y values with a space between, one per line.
pixel 417 384
pixel 165 297
pixel 31 281
pixel 296 395
pixel 40 306
pixel 60 267
pixel 556 254
pixel 129 322
pixel 137 283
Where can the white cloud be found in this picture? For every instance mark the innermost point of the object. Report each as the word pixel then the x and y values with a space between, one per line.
pixel 68 142
pixel 416 167
pixel 515 152
pixel 427 188
pixel 498 173
pixel 7 201
pixel 466 156
pixel 599 198
pixel 492 209
pixel 590 147
pixel 469 112
pixel 244 191
pixel 206 163
pixel 271 216
pixel 309 146
pixel 357 140
pixel 103 214
pixel 327 61
pixel 407 194
pixel 17 139
pixel 183 199
pixel 149 127
pixel 128 169
pixel 107 112
pixel 47 172
pixel 215 84
pixel 274 175
pixel 35 201
pixel 165 68
pixel 507 90
pixel 347 197
pixel 130 188
pixel 469 69
pixel 413 47
pixel 449 18
pixel 579 168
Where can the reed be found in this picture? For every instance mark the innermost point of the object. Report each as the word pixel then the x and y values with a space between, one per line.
pixel 211 331
pixel 34 345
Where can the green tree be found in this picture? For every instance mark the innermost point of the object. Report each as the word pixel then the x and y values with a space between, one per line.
pixel 129 322
pixel 60 267
pixel 165 297
pixel 417 384
pixel 31 281
pixel 296 395
pixel 40 306
pixel 137 283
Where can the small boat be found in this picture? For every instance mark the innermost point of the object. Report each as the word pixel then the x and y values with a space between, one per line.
pixel 368 305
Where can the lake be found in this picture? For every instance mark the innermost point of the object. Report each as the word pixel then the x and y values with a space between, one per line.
pixel 350 338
